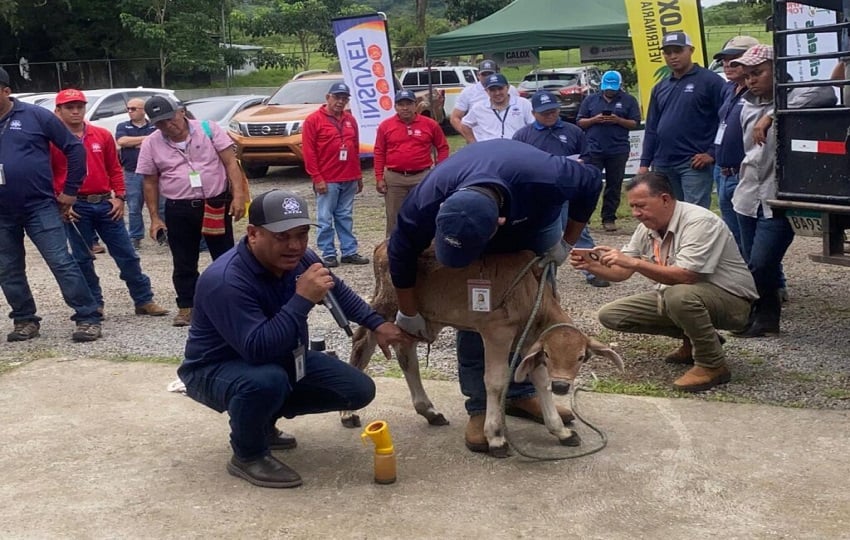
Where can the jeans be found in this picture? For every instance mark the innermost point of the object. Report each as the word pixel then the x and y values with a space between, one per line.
pixel 335 210
pixel 184 219
pixel 470 372
pixel 135 202
pixel 94 217
pixel 764 242
pixel 725 189
pixel 584 239
pixel 255 396
pixel 615 170
pixel 689 184
pixel 693 310
pixel 44 227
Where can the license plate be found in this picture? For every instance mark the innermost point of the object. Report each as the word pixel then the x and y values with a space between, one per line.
pixel 805 222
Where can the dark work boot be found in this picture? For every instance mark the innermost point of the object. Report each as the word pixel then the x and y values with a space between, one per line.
pixel 767 315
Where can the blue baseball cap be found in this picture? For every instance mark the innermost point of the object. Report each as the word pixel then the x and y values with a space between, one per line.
pixel 339 88
pixel 496 79
pixel 543 101
pixel 676 39
pixel 466 221
pixel 611 80
pixel 405 94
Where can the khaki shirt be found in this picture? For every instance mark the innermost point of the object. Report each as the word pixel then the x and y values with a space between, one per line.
pixel 699 241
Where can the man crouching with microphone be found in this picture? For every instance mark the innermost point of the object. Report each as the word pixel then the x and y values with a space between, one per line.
pixel 247 348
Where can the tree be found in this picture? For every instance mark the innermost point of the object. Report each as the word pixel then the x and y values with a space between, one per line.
pixel 469 11
pixel 184 32
pixel 421 10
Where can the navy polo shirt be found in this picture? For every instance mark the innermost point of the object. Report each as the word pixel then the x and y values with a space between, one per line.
pixel 561 139
pixel 609 139
pixel 682 119
pixel 130 156
pixel 26 133
pixel 535 184
pixel 730 152
pixel 245 313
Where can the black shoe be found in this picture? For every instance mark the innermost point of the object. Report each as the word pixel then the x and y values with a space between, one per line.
pixel 264 472
pixel 598 282
pixel 23 331
pixel 330 262
pixel 280 440
pixel 354 259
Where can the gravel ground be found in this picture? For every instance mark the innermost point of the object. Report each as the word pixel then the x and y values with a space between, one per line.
pixel 806 366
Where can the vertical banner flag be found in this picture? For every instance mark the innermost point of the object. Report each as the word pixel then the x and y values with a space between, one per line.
pixel 364 54
pixel 649 21
pixel 800 16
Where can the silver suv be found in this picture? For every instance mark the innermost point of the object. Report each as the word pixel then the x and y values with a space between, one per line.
pixel 570 86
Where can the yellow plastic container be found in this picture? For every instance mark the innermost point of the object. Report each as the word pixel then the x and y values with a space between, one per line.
pixel 385 463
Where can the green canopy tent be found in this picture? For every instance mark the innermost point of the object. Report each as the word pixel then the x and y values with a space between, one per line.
pixel 541 24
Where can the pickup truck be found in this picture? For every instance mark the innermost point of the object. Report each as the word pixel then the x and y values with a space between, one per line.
pixel 813 145
pixel 448 80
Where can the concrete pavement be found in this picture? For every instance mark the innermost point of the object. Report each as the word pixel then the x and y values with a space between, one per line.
pixel 95 449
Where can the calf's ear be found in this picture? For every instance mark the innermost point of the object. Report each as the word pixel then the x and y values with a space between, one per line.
pixel 600 349
pixel 534 358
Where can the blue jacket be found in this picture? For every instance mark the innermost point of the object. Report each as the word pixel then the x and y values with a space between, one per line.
pixel 245 313
pixel 535 184
pixel 25 137
pixel 562 139
pixel 730 151
pixel 682 118
pixel 130 156
pixel 609 139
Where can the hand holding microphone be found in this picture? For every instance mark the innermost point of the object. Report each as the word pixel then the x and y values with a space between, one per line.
pixel 315 284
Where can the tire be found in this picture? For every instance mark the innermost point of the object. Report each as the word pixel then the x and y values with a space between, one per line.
pixel 255 171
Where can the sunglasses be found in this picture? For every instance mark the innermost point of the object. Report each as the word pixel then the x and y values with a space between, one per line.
pixel 132 109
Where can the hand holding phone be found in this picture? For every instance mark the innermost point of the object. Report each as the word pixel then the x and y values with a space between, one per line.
pixel 606 113
pixel 589 255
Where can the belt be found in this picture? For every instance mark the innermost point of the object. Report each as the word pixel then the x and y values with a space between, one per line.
pixel 407 173
pixel 195 203
pixel 728 171
pixel 94 198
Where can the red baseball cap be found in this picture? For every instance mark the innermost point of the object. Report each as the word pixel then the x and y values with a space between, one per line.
pixel 70 95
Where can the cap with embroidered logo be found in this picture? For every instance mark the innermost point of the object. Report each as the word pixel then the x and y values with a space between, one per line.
pixel 755 55
pixel 611 80
pixel 543 101
pixel 488 66
pixel 339 88
pixel 70 95
pixel 677 39
pixel 278 211
pixel 159 108
pixel 405 95
pixel 496 79
pixel 466 221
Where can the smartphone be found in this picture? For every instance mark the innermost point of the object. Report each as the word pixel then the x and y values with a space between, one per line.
pixel 588 254
pixel 606 113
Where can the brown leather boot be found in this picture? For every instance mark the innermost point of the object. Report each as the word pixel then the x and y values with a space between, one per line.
pixel 475 439
pixel 530 408
pixel 684 354
pixel 700 379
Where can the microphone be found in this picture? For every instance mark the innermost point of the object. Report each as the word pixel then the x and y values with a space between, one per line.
pixel 333 306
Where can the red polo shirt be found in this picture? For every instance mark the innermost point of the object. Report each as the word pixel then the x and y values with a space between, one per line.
pixel 323 137
pixel 407 147
pixel 103 168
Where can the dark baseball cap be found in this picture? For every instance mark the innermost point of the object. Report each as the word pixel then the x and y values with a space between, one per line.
pixel 278 211
pixel 488 66
pixel 543 101
pixel 339 88
pixel 405 95
pixel 466 221
pixel 160 108
pixel 496 79
pixel 676 39
pixel 4 77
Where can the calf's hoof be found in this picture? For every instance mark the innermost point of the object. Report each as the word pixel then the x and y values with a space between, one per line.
pixel 572 440
pixel 350 420
pixel 438 420
pixel 500 451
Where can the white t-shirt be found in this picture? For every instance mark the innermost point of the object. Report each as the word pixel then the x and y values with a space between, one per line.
pixel 488 123
pixel 475 94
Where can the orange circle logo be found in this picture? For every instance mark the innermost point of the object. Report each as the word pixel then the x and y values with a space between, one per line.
pixel 386 103
pixel 383 86
pixel 378 69
pixel 375 52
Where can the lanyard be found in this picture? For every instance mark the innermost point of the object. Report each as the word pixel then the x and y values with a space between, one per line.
pixel 338 125
pixel 502 118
